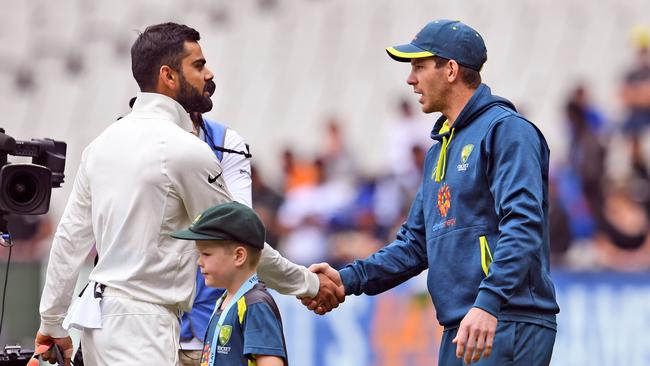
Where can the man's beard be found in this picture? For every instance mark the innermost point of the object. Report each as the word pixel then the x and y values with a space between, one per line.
pixel 193 100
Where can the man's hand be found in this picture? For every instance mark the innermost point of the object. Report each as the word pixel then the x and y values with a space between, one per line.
pixel 65 344
pixel 475 335
pixel 331 292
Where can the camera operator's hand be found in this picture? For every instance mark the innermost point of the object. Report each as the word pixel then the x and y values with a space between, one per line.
pixel 65 344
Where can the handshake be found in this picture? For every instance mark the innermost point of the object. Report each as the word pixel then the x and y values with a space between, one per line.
pixel 330 292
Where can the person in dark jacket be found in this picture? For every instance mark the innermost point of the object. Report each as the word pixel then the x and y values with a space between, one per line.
pixel 479 222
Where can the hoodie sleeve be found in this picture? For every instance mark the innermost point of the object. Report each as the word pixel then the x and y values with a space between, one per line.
pixel 517 170
pixel 395 263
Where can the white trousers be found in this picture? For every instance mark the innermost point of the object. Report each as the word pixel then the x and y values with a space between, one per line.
pixel 133 333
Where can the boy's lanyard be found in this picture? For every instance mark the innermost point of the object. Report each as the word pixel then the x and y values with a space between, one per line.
pixel 245 287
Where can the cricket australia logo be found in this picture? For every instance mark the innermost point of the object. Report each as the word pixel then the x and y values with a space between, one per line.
pixel 224 334
pixel 464 155
pixel 444 200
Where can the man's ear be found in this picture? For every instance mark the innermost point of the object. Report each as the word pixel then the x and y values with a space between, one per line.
pixel 453 69
pixel 169 77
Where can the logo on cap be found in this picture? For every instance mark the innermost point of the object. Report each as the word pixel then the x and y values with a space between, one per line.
pixel 197 219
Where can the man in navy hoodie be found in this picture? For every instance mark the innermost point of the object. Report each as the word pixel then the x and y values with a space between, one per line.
pixel 479 222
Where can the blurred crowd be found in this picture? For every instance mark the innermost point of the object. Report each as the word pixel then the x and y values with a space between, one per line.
pixel 600 193
pixel 324 210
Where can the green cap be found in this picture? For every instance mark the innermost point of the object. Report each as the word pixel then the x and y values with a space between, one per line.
pixel 228 221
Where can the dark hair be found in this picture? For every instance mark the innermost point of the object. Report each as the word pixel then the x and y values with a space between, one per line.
pixel 160 44
pixel 471 78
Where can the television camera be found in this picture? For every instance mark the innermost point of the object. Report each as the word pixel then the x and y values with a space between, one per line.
pixel 25 189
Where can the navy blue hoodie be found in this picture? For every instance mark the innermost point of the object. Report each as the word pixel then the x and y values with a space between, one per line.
pixel 479 221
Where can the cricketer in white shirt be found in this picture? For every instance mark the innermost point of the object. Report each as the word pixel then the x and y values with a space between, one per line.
pixel 144 177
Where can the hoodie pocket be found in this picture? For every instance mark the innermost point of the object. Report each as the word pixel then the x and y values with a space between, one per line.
pixel 486 254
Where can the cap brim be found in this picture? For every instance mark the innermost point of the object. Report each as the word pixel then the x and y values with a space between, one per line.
pixel 407 52
pixel 191 235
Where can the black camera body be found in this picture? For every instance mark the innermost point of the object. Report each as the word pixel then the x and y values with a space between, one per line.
pixel 25 189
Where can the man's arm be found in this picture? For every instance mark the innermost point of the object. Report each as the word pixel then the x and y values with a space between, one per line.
pixel 392 265
pixel 517 163
pixel 517 168
pixel 72 242
pixel 285 276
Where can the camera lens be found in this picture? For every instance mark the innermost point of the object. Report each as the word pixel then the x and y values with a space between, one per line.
pixel 25 189
pixel 22 188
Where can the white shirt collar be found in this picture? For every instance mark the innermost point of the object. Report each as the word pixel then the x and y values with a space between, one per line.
pixel 163 105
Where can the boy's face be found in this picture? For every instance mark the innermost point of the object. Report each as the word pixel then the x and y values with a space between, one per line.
pixel 217 262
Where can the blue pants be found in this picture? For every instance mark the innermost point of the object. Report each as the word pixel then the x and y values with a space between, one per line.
pixel 515 344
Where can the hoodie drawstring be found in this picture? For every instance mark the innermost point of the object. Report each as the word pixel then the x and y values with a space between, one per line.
pixel 442 158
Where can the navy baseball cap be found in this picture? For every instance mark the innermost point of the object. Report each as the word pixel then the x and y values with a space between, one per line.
pixel 450 39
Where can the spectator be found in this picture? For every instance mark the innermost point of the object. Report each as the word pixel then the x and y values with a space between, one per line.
pixel 635 91
pixel 405 132
pixel 306 213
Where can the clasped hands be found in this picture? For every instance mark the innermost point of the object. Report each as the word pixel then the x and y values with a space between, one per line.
pixel 330 292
